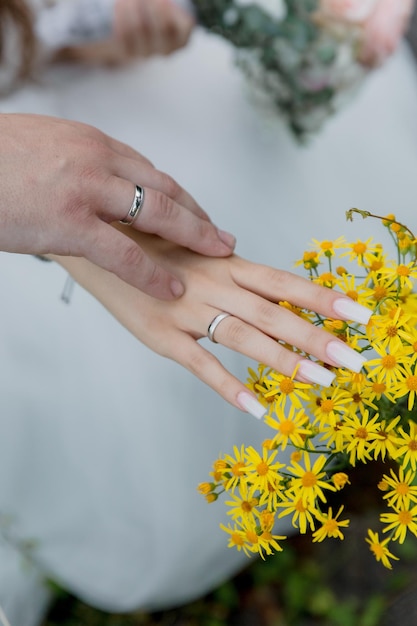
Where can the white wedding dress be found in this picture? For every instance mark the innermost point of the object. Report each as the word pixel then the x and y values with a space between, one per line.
pixel 103 442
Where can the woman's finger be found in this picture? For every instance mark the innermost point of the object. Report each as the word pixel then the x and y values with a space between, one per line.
pixel 279 285
pixel 210 371
pixel 241 337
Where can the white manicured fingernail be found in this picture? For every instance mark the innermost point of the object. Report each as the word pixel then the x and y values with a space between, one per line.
pixel 351 310
pixel 344 356
pixel 315 373
pixel 250 404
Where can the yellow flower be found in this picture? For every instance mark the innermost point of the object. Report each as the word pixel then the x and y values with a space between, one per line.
pixel 237 538
pixel 360 251
pixel 282 388
pixel 256 381
pixel 206 488
pixel 407 446
pixel 388 329
pixel 308 482
pixel 360 431
pixel 402 274
pixel 340 479
pixel 329 404
pixel 302 517
pixel 242 506
pixel 262 470
pixel 388 366
pixel 401 492
pixel 236 468
pixel 380 549
pixel 290 427
pixel 326 279
pixel 330 525
pixel 399 522
pixel 333 435
pixel 327 248
pixel 386 442
pixel 407 385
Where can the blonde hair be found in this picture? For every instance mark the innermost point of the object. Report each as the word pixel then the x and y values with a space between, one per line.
pixel 19 14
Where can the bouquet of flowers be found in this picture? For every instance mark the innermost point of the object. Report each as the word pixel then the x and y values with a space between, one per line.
pixel 363 417
pixel 307 57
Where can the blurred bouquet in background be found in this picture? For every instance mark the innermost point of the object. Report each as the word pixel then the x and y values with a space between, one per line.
pixel 362 418
pixel 306 58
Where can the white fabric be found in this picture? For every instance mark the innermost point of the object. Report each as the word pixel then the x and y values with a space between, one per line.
pixel 103 442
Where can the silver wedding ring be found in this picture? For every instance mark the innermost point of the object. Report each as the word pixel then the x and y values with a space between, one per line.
pixel 136 207
pixel 214 323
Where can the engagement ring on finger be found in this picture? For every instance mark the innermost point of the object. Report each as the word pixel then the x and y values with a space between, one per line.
pixel 214 323
pixel 136 207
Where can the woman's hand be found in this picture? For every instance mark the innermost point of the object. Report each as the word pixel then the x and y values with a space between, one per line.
pixel 141 28
pixel 62 183
pixel 249 293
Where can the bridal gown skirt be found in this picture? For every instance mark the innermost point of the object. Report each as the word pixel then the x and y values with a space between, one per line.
pixel 103 442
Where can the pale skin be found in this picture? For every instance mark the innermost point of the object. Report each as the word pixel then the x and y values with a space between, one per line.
pixel 63 183
pixel 141 28
pixel 247 290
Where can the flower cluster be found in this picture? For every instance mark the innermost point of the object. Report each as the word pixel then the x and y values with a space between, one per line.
pixel 305 58
pixel 362 417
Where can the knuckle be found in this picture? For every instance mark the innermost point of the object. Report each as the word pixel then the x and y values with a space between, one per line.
pixel 236 332
pixel 132 255
pixel 266 312
pixel 165 207
pixel 198 361
pixel 279 279
pixel 169 186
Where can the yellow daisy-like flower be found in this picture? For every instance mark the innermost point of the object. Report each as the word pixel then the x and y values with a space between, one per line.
pixel 390 329
pixel 262 470
pixel 291 426
pixel 281 388
pixel 401 491
pixel 360 431
pixel 388 367
pixel 333 435
pixel 329 404
pixel 380 289
pixel 399 522
pixel 327 248
pixel 268 543
pixel 326 279
pixel 387 441
pixel 407 385
pixel 302 513
pixel 380 549
pixel 402 274
pixel 407 446
pixel 360 251
pixel 308 482
pixel 256 380
pixel 243 506
pixel 310 260
pixel 330 525
pixel 238 538
pixel 235 468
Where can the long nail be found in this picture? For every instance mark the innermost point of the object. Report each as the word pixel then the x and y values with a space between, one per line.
pixel 344 356
pixel 249 403
pixel 314 373
pixel 351 310
pixel 227 238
